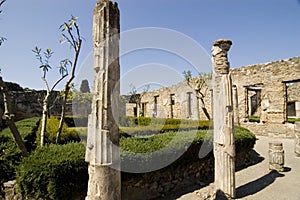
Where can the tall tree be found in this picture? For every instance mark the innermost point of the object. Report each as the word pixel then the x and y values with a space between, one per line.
pixel 45 66
pixel 200 88
pixel 72 36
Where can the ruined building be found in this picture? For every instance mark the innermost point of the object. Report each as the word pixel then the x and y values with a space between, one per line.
pixel 269 92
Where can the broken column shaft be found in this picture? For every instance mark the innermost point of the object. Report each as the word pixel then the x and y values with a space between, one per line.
pixel 102 152
pixel 224 147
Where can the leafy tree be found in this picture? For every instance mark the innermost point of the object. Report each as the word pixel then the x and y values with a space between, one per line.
pixel 200 88
pixel 73 37
pixel 67 29
pixel 45 66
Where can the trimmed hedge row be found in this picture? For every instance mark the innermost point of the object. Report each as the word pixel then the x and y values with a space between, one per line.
pixel 54 172
pixel 60 172
pixel 126 121
pixel 141 152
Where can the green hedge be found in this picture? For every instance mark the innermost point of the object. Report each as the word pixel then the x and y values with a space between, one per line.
pixel 60 172
pixel 168 146
pixel 126 121
pixel 10 156
pixel 293 120
pixel 146 126
pixel 51 131
pixel 54 172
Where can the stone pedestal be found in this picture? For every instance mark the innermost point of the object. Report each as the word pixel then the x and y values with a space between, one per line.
pixel 224 146
pixel 276 156
pixel 297 138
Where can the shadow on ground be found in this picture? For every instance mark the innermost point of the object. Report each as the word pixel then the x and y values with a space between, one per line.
pixel 196 185
pixel 259 184
pixel 255 159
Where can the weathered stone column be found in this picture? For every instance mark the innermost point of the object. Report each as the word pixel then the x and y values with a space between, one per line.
pixel 102 152
pixel 224 146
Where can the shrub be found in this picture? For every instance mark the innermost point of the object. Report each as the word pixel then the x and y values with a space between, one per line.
pixel 51 131
pixel 145 126
pixel 126 121
pixel 10 156
pixel 60 172
pixel 171 145
pixel 54 172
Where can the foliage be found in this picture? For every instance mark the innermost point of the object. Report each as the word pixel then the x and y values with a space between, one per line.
pixel 127 121
pixel 54 172
pixel 200 86
pixel 254 119
pixel 64 170
pixel 51 130
pixel 142 126
pixel 293 120
pixel 70 34
pixel 10 155
pixel 135 150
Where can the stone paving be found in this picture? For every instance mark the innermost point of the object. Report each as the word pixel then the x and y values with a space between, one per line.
pixel 257 182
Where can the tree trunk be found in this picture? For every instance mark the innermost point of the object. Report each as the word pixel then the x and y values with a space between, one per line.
pixel 9 119
pixel 44 118
pixel 202 104
pixel 63 113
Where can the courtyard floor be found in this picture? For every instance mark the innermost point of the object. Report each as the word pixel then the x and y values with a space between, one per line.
pixel 257 182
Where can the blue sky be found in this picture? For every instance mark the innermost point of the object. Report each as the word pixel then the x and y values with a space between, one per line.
pixel 261 31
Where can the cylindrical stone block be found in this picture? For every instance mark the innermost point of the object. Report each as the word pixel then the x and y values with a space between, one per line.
pixel 276 156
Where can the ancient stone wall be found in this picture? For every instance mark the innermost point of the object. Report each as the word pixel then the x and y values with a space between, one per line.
pixel 28 103
pixel 176 101
pixel 270 80
pixel 263 90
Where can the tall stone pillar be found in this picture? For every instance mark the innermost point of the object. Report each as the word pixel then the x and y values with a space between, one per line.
pixel 224 146
pixel 102 152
